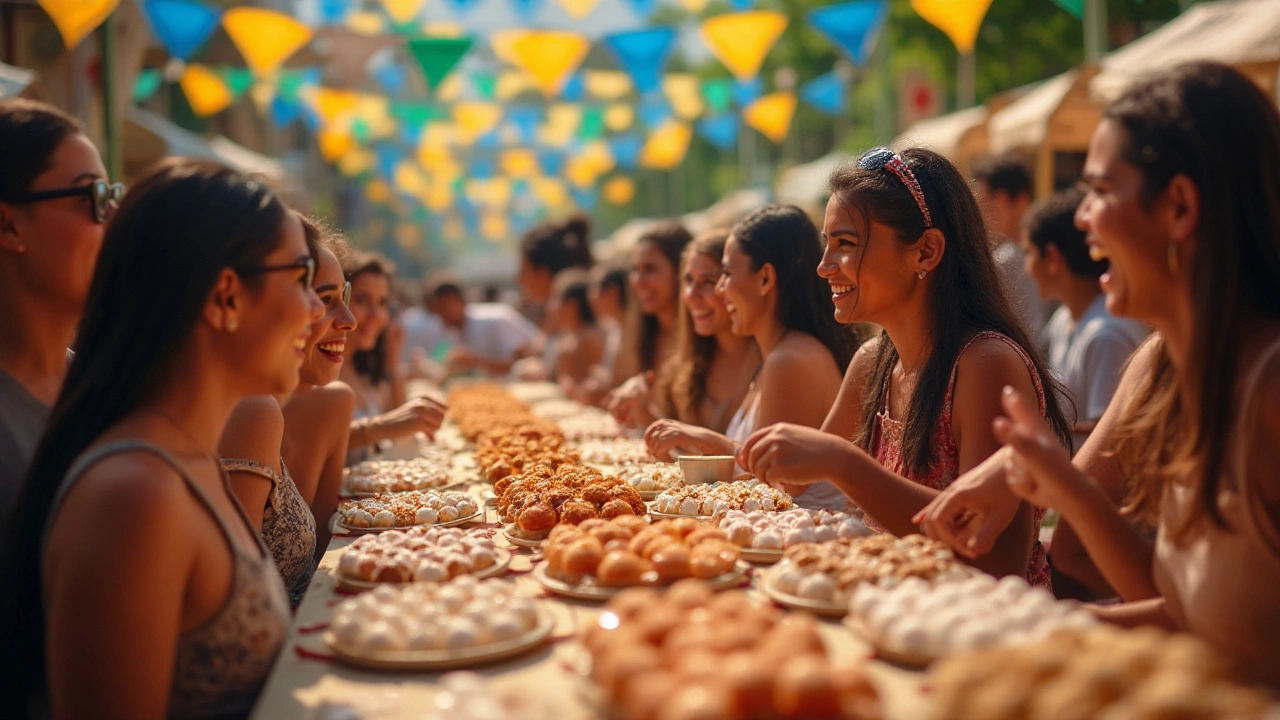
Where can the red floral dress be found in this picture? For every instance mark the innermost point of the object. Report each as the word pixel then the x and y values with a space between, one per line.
pixel 886 447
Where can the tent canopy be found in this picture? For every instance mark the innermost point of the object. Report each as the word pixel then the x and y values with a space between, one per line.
pixel 942 133
pixel 150 137
pixel 806 184
pixel 1025 121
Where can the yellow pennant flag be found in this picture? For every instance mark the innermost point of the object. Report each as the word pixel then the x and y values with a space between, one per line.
pixel 694 6
pixel 443 29
pixel 356 162
pixel 550 191
pixel 561 126
pixel 578 9
pixel 959 19
pixel 365 22
pixel 585 168
pixel 205 90
pixel 331 104
pixel 520 164
pixel 742 40
pixel 619 117
pixel 451 89
pixel 265 38
pixel 75 19
pixel 439 135
pixel 684 91
pixel 334 144
pixel 495 226
pixel 438 197
pixel 550 57
pixel 491 193
pixel 607 84
pixel 402 11
pixel 408 179
pixel 619 191
pixel 377 191
pixel 474 119
pixel 666 146
pixel 511 84
pixel 771 115
pixel 503 43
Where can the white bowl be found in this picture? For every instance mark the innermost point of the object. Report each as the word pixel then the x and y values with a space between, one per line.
pixel 704 469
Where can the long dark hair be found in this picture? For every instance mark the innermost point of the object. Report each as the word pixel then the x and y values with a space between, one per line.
pixel 670 238
pixel 560 245
pixel 966 296
pixel 30 132
pixel 1211 124
pixel 372 364
pixel 574 285
pixel 682 385
pixel 180 225
pixel 783 236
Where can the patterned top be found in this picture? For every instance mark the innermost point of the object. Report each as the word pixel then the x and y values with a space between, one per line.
pixel 288 527
pixel 219 668
pixel 886 447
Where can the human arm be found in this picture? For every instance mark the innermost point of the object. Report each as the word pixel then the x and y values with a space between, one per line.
pixel 254 432
pixel 1151 611
pixel 845 415
pixel 424 415
pixel 632 404
pixel 667 438
pixel 113 621
pixel 317 426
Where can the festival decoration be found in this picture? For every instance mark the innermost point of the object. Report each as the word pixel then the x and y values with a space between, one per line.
pixel 958 19
pixel 206 92
pixel 182 26
pixel 438 56
pixel 666 146
pixel 742 40
pixel 643 54
pixel 772 114
pixel 826 93
pixel 75 19
pixel 852 26
pixel 549 57
pixel 720 130
pixel 265 38
pixel 619 190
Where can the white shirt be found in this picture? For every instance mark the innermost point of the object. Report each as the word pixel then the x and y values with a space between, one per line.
pixel 1020 287
pixel 1088 356
pixel 422 329
pixel 494 330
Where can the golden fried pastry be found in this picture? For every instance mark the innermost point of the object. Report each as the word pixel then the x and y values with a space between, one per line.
pixel 620 569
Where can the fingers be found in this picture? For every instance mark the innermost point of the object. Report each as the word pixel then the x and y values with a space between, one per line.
pixel 744 452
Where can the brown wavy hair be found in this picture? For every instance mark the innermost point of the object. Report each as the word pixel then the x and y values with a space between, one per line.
pixel 372 364
pixel 1195 120
pixel 682 384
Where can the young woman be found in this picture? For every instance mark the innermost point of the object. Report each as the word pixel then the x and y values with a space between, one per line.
pixel 136 586
pixel 54 201
pixel 285 460
pixel 372 367
pixel 545 251
pixel 577 341
pixel 907 250
pixel 649 337
pixel 609 303
pixel 771 295
pixel 1191 227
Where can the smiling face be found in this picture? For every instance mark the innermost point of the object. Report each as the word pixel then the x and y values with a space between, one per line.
pixel 371 306
pixel 277 320
pixel 1121 228
pixel 328 339
pixel 698 292
pixel 865 265
pixel 58 239
pixel 740 287
pixel 653 279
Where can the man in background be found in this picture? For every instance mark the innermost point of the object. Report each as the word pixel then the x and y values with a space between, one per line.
pixel 483 336
pixel 1002 186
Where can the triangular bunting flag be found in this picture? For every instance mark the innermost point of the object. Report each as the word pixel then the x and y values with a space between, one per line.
pixel 75 19
pixel 1075 7
pixel 438 56
pixel 391 76
pixel 746 92
pixel 626 149
pixel 772 114
pixel 852 26
pixel 573 89
pixel 475 119
pixel 619 117
pixel 826 92
pixel 642 8
pixel 592 125
pixel 607 84
pixel 551 162
pixel 685 93
pixel 526 9
pixel 181 25
pixel 550 57
pixel 462 7
pixel 643 54
pixel 718 93
pixel 959 19
pixel 720 130
pixel 238 80
pixel 486 85
pixel 584 198
pixel 333 12
pixel 619 190
pixel 578 9
pixel 148 82
pixel 205 91
pixel 742 40
pixel 265 38
pixel 666 146
pixel 654 111
pixel 525 119
pixel 403 11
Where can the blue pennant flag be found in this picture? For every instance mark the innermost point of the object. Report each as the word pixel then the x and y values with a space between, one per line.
pixel 643 8
pixel 525 119
pixel 391 76
pixel 852 26
pixel 643 54
pixel 827 93
pixel 626 149
pixel 720 130
pixel 182 25
pixel 526 9
pixel 462 7
pixel 389 157
pixel 482 168
pixel 333 12
pixel 552 162
pixel 746 92
pixel 654 111
pixel 741 5
pixel 489 141
pixel 584 198
pixel 573 89
pixel 284 112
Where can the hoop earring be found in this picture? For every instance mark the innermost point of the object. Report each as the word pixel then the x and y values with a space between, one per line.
pixel 921 274
pixel 1171 257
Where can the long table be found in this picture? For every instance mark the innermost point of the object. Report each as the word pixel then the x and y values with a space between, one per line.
pixel 306 685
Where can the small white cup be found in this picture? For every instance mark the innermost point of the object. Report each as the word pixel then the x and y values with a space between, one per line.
pixel 705 469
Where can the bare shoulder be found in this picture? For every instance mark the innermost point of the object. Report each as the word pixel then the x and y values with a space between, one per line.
pixel 797 352
pixel 254 430
pixel 989 361
pixel 336 396
pixel 864 358
pixel 137 489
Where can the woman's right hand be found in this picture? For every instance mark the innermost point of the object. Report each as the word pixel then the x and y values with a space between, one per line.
pixel 974 510
pixel 665 437
pixel 629 402
pixel 420 415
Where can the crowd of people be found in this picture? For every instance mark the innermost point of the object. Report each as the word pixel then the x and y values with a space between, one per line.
pixel 186 369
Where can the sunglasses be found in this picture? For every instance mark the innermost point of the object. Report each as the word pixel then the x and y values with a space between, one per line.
pixel 106 196
pixel 308 264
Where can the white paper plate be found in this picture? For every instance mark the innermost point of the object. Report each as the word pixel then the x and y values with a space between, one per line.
pixel 447 659
pixel 600 593
pixel 479 515
pixel 498 568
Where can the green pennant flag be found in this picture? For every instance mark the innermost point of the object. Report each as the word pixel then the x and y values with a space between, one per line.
pixel 360 131
pixel 147 84
pixel 1075 7
pixel 417 114
pixel 291 81
pixel 486 85
pixel 592 125
pixel 238 79
pixel 438 56
pixel 718 94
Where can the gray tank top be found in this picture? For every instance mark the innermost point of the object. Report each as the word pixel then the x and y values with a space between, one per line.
pixel 288 527
pixel 220 666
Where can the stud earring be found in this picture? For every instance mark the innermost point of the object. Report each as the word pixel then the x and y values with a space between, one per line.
pixel 921 274
pixel 232 324
pixel 1171 257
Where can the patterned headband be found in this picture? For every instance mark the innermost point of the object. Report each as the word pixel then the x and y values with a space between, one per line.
pixel 889 160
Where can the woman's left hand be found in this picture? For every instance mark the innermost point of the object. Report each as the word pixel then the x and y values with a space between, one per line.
pixel 794 455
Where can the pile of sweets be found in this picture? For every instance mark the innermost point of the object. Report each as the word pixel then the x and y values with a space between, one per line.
pixel 829 572
pixel 511 454
pixel 615 451
pixel 417 555
pixel 392 476
pixel 424 507
pixel 652 476
pixel 779 530
pixel 541 498
pixel 710 500
pixel 628 551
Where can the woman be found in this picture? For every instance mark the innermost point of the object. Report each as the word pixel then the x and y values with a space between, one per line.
pixel 136 586
pixel 906 250
pixel 1191 227
pixel 649 338
pixel 285 459
pixel 577 341
pixel 545 251
pixel 54 201
pixel 372 368
pixel 771 294
pixel 609 303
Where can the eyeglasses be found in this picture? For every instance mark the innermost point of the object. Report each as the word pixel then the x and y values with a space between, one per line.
pixel 886 159
pixel 105 197
pixel 308 264
pixel 346 293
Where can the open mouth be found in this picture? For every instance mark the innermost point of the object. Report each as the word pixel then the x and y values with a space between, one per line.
pixel 332 350
pixel 839 292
